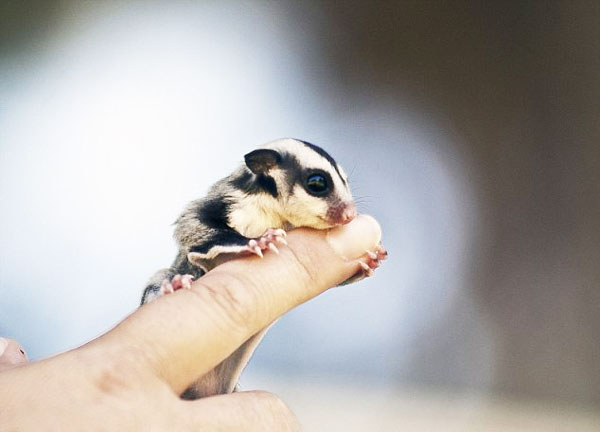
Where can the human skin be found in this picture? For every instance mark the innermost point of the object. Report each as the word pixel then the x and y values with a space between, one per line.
pixel 11 354
pixel 130 378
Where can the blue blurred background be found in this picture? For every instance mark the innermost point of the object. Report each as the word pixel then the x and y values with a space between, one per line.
pixel 470 131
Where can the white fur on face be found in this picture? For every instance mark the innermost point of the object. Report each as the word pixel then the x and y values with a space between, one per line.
pixel 303 209
pixel 252 215
pixel 311 159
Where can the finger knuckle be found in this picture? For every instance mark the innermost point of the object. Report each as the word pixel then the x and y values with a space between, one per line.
pixel 307 265
pixel 235 300
pixel 281 415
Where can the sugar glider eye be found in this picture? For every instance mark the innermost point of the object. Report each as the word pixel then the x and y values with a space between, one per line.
pixel 316 184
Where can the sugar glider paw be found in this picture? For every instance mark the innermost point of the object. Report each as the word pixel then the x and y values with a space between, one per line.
pixel 178 282
pixel 374 260
pixel 368 264
pixel 267 241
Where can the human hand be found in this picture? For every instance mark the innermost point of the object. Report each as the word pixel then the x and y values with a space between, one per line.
pixel 11 354
pixel 131 377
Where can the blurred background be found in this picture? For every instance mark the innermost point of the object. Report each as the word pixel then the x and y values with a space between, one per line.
pixel 469 129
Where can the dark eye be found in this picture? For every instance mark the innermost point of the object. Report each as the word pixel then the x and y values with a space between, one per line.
pixel 316 184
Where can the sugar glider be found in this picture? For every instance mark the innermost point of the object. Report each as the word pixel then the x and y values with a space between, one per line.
pixel 282 185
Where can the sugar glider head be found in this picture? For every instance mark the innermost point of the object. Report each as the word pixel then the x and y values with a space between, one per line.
pixel 308 187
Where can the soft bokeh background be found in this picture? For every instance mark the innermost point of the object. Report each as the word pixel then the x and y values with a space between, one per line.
pixel 470 131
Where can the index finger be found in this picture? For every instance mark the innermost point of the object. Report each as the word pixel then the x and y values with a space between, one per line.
pixel 181 336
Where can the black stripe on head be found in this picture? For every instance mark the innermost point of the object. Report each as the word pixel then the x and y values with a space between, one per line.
pixel 252 184
pixel 326 155
pixel 297 174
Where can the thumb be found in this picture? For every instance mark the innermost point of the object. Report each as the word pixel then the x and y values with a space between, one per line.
pixel 248 411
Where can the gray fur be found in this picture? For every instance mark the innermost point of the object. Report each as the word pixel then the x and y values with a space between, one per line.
pixel 243 206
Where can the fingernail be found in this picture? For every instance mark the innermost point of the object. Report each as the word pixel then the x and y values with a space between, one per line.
pixel 350 241
pixel 3 345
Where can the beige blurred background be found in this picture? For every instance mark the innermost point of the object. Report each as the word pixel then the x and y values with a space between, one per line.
pixel 469 129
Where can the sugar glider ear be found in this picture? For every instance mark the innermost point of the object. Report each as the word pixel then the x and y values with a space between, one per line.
pixel 261 161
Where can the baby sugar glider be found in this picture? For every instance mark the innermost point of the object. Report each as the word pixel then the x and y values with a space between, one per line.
pixel 284 184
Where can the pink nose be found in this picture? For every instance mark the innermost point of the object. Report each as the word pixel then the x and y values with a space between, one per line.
pixel 349 213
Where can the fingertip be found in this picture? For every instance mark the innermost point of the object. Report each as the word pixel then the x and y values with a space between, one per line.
pixel 350 241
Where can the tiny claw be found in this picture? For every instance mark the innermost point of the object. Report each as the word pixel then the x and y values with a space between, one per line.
pixel 274 248
pixel 186 281
pixel 281 240
pixel 368 270
pixel 166 287
pixel 262 243
pixel 280 232
pixel 372 255
pixel 373 264
pixel 381 252
pixel 257 251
